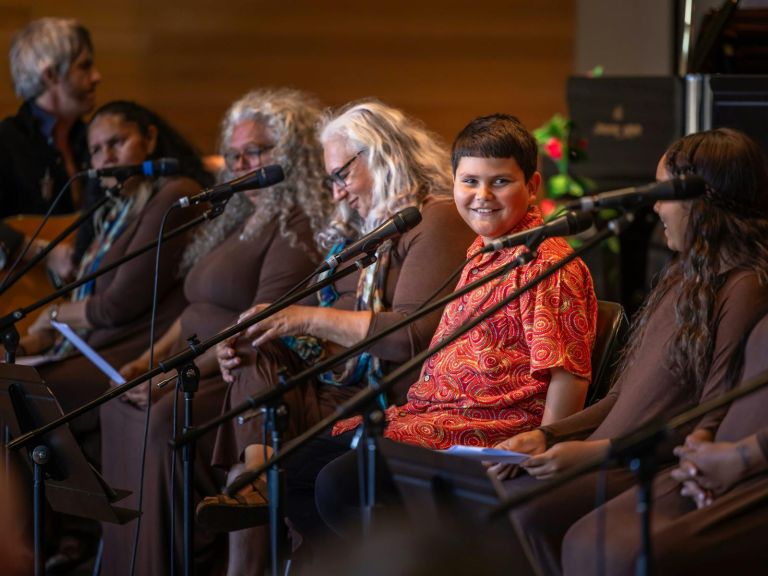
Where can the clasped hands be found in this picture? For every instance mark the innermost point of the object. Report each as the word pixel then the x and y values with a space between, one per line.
pixel 709 469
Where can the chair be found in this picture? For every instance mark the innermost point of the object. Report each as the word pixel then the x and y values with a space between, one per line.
pixel 612 326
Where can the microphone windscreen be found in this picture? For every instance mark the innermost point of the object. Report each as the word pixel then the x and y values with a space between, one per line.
pixel 407 218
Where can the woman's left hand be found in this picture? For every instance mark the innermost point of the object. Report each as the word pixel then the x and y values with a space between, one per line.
pixel 290 321
pixel 43 321
pixel 563 456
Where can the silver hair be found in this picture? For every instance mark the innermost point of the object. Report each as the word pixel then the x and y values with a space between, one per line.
pixel 406 161
pixel 290 117
pixel 46 43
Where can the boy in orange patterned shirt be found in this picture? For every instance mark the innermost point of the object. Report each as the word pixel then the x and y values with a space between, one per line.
pixel 529 363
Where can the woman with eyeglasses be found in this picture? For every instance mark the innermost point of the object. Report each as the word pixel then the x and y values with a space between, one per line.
pixel 378 162
pixel 255 251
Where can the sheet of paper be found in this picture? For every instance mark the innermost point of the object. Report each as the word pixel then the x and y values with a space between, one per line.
pixel 88 352
pixel 487 454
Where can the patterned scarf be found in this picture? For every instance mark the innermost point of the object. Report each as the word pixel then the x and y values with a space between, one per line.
pixel 369 296
pixel 109 227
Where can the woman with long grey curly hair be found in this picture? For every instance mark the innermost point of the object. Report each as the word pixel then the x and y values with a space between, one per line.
pixel 378 161
pixel 255 251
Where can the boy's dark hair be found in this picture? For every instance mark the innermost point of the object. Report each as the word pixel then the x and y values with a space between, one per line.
pixel 497 136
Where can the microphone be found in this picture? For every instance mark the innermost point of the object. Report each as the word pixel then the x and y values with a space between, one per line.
pixel 261 178
pixel 567 224
pixel 401 222
pixel 681 188
pixel 159 167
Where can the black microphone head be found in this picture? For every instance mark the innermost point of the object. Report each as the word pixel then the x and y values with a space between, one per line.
pixel 578 221
pixel 406 218
pixel 261 178
pixel 689 186
pixel 162 167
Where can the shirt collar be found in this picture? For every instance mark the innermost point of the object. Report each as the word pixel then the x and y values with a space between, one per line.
pixel 45 120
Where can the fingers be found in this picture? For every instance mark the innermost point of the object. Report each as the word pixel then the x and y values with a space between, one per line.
pixel 265 337
pixel 701 496
pixel 685 471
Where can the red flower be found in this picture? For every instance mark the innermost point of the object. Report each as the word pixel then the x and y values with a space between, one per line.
pixel 547 207
pixel 554 148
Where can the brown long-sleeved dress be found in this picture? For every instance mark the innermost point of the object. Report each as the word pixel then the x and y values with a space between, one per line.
pixel 724 538
pixel 646 390
pixel 225 282
pixel 120 306
pixel 421 260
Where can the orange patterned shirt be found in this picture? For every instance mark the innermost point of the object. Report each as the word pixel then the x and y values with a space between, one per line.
pixel 491 383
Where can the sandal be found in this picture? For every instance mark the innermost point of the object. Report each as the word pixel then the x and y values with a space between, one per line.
pixel 222 513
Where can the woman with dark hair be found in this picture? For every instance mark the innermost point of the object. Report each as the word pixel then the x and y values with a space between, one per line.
pixel 256 250
pixel 681 341
pixel 112 313
pixel 710 510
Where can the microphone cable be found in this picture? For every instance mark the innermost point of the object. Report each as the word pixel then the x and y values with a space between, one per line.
pixel 153 316
pixel 36 233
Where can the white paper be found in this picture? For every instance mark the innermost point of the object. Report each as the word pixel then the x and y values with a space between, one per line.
pixel 88 352
pixel 487 454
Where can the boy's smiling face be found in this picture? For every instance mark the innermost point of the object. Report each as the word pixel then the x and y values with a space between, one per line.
pixel 492 195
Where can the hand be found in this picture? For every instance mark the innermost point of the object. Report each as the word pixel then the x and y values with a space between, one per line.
pixel 43 322
pixel 532 442
pixel 714 467
pixel 137 395
pixel 226 356
pixel 563 456
pixel 38 342
pixel 289 321
pixel 60 261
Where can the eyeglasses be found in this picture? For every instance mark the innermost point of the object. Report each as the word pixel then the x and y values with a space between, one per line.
pixel 340 175
pixel 252 153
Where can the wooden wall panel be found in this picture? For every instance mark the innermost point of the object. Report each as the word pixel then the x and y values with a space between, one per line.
pixel 442 61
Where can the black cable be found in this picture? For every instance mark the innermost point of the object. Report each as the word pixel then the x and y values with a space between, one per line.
pixel 149 385
pixel 448 280
pixel 38 229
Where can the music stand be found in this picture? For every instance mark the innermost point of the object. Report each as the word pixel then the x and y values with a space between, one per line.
pixel 61 473
pixel 442 492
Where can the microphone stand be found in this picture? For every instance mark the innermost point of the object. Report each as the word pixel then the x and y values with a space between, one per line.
pixel 10 336
pixel 112 192
pixel 181 361
pixel 632 446
pixel 367 395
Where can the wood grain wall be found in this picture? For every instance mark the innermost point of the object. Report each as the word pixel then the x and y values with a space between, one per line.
pixel 444 61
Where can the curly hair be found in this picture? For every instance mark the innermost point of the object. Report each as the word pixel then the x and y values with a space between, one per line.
pixel 290 117
pixel 727 226
pixel 406 161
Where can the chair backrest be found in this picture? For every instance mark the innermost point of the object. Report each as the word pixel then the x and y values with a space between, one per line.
pixel 612 325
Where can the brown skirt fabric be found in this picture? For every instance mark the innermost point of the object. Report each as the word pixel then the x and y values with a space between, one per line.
pixel 544 521
pixel 125 422
pixel 724 538
pixel 259 373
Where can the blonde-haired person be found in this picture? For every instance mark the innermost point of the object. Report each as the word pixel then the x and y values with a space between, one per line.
pixel 256 250
pixel 378 161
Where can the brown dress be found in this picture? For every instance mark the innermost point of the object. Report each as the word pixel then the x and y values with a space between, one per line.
pixel 724 538
pixel 420 261
pixel 646 390
pixel 228 280
pixel 119 308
